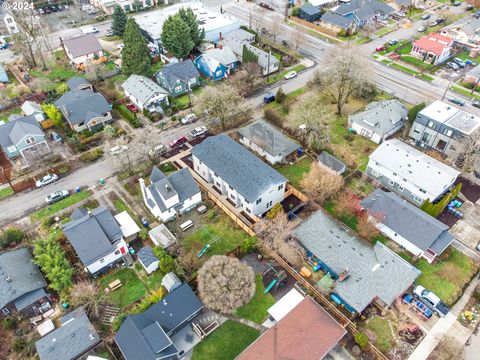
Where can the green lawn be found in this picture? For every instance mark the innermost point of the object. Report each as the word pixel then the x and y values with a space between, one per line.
pixel 256 309
pixel 154 280
pixel 5 192
pixel 448 275
pixel 62 204
pixel 348 219
pixel 132 288
pixel 384 339
pixel 226 342
pixel 464 91
pixel 120 205
pixel 385 30
pixel 294 173
pixel 56 73
pixel 407 70
pixel 279 76
pixel 416 62
pixel 405 50
pixel 182 102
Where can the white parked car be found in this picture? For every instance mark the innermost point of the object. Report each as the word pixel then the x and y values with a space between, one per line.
pixel 198 131
pixel 290 75
pixel 118 149
pixel 89 30
pixel 190 118
pixel 56 196
pixel 422 29
pixel 157 150
pixel 47 179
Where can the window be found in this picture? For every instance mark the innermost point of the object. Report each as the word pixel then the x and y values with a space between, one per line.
pixel 426 137
pixel 198 168
pixel 6 311
pixel 391 182
pixel 400 188
pixel 280 187
pixel 447 132
pixel 232 196
pixel 248 210
pixel 431 124
pixel 269 204
pixel 416 130
pixel 231 188
pixel 30 140
pixel 258 201
pixel 178 88
pixel 375 173
pixel 11 149
pixel 417 199
pixel 219 73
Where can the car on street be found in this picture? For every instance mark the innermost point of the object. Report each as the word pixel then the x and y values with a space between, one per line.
pixel 109 33
pixel 118 149
pixel 426 17
pixel 457 101
pixel 452 65
pixel 89 30
pixel 477 14
pixel 268 98
pixel 380 48
pixel 56 137
pixel 157 150
pixel 178 142
pixel 46 180
pixel 290 75
pixel 422 29
pixel 476 103
pixel 457 3
pixel 469 7
pixel 393 42
pixel 198 131
pixel 56 196
pixel 132 107
pixel 419 306
pixel 189 119
pixel 285 43
pixel 432 23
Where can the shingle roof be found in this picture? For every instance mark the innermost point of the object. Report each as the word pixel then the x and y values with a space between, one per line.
pixel 76 336
pixel 364 9
pixel 241 35
pixel 92 235
pixel 14 131
pixel 183 71
pixel 78 83
pixel 19 276
pixel 337 20
pixel 381 116
pixel 146 256
pixel 332 162
pixel 82 45
pixel 3 74
pixel 142 88
pixel 269 138
pixel 146 336
pixel 242 170
pixel 434 43
pixel 224 56
pixel 310 9
pixel 373 271
pixel 82 105
pixel 408 221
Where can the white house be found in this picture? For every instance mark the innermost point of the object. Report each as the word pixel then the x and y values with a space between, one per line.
pixel 167 196
pixel 410 173
pixel 239 175
pixel 10 23
pixel 148 260
pixel 433 48
pixel 82 49
pixel 97 239
pixel 145 93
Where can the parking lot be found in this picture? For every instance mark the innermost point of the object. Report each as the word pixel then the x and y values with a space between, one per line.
pixel 71 17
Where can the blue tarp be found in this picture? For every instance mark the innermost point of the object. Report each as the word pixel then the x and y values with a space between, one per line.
pixel 3 74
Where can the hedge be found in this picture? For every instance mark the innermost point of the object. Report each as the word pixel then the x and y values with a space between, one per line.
pixel 131 117
pixel 92 155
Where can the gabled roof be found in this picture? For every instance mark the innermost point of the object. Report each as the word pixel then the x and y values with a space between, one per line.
pixel 82 105
pixel 337 20
pixel 242 170
pixel 269 138
pixel 433 43
pixel 381 116
pixel 332 162
pixel 31 107
pixel 408 221
pixel 14 131
pixel 224 56
pixel 364 9
pixel 307 332
pixel 76 336
pixel 142 88
pixel 93 234
pixel 183 71
pixel 78 83
pixel 82 45
pixel 373 271
pixel 19 277
pixel 310 9
pixel 241 35
pixel 146 336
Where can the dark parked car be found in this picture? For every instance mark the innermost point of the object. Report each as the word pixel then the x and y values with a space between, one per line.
pixel 268 98
pixel 456 101
pixel 476 103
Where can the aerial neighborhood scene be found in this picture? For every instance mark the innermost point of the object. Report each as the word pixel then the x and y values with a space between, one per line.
pixel 240 179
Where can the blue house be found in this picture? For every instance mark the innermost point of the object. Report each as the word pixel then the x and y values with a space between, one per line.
pixel 364 12
pixel 3 74
pixel 216 64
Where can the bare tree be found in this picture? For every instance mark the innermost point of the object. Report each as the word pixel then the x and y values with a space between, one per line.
pixel 320 184
pixel 88 294
pixel 225 283
pixel 109 133
pixel 366 228
pixel 346 73
pixel 248 79
pixel 275 30
pixel 96 72
pixel 298 38
pixel 257 19
pixel 148 145
pixel 223 106
pixel 469 156
pixel 345 204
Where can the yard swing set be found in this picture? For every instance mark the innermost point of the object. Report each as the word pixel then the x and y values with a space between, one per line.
pixel 212 239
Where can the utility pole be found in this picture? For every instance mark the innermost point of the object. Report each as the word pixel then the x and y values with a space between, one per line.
pixel 448 87
pixel 268 64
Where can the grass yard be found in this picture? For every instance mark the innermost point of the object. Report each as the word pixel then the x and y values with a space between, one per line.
pixel 58 206
pixel 256 309
pixel 448 276
pixel 464 91
pixel 294 173
pixel 5 192
pixel 384 339
pixel 225 343
pixel 416 62
pixel 279 76
pixel 407 70
pixel 132 288
pixel 157 66
pixel 5 115
pixel 348 219
pixel 182 102
pixel 360 187
pixel 120 205
pixel 385 30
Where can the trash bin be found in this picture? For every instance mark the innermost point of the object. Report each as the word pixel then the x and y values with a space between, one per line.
pixel 102 181
pixel 145 222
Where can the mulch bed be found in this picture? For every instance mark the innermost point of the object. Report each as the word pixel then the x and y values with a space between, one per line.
pixel 188 160
pixel 199 139
pixel 447 218
pixel 470 190
pixel 290 202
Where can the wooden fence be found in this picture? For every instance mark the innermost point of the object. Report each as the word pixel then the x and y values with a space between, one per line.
pixel 315 27
pixel 292 191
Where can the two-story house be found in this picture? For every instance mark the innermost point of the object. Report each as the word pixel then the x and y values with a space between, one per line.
pixel 410 173
pixel 178 78
pixel 97 239
pixel 216 64
pixel 444 127
pixel 465 32
pixel 239 175
pixel 167 196
pixel 23 138
pixel 145 93
pixel 82 49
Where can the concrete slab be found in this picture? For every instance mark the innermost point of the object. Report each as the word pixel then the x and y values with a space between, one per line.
pixel 466 233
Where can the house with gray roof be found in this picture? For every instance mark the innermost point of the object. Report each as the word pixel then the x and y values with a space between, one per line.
pixel 178 78
pixel 168 196
pixel 79 83
pixel 364 12
pixel 96 238
pixel 245 180
pixel 22 286
pixel 217 63
pixel 407 225
pixel 379 120
pixel 75 337
pixel 34 109
pixel 84 108
pixel 23 138
pixel 269 142
pixel 331 163
pixel 336 22
pixel 145 93
pixel 362 274
pixel 82 49
pixel 147 259
pixel 163 331
pixel 309 13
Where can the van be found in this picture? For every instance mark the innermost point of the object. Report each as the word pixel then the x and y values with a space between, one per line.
pixel 89 30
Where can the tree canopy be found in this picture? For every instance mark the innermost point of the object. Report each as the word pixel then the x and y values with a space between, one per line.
pixel 176 36
pixel 196 33
pixel 135 53
pixel 119 21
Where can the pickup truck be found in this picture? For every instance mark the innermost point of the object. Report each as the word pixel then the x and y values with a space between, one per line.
pixel 431 300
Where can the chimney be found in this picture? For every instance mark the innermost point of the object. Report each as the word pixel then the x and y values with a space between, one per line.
pixel 220 36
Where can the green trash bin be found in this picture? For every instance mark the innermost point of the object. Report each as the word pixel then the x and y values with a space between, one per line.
pixel 102 181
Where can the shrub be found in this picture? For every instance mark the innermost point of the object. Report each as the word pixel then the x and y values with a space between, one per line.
pixel 11 236
pixel 361 340
pixel 342 33
pixel 129 116
pixel 9 322
pixel 19 344
pixel 274 117
pixel 168 166
pixel 295 11
pixel 248 245
pixel 280 96
pixel 274 211
pixel 118 321
pixel 92 155
pixel 412 113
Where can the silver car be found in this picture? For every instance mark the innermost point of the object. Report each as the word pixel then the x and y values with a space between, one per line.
pixel 56 196
pixel 47 179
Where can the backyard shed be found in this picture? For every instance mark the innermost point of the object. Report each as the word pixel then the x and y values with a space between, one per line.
pixel 128 226
pixel 331 163
pixel 170 282
pixel 147 258
pixel 160 235
pixel 310 13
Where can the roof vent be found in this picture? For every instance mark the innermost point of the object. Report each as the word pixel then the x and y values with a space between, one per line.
pixel 8 279
pixel 167 187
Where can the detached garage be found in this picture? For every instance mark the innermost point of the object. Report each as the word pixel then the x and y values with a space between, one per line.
pixel 309 13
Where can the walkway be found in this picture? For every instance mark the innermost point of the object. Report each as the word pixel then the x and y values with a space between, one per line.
pixel 249 323
pixel 443 326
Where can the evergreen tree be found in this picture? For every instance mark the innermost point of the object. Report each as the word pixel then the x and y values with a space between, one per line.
pixel 248 55
pixel 196 34
pixel 176 36
pixel 135 53
pixel 119 21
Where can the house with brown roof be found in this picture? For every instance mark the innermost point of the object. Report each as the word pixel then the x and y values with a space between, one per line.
pixel 432 48
pixel 307 332
pixel 82 49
